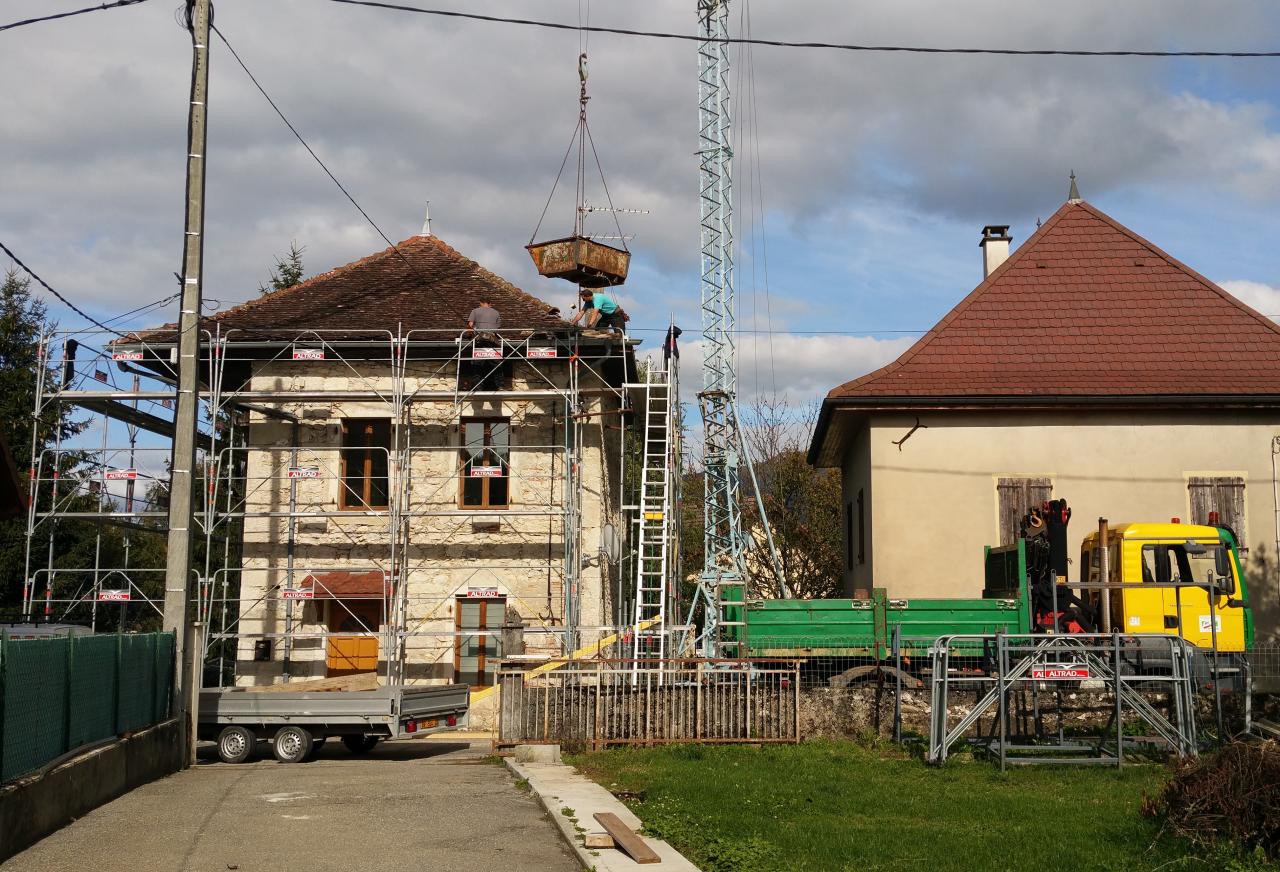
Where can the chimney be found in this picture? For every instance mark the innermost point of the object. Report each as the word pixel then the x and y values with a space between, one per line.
pixel 995 247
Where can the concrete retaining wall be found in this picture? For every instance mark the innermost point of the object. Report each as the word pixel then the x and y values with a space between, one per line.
pixel 34 806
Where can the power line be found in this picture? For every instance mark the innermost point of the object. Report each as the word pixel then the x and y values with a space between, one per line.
pixel 778 43
pixel 71 13
pixel 310 151
pixel 72 306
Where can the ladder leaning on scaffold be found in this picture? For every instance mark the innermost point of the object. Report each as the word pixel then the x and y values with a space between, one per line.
pixel 655 540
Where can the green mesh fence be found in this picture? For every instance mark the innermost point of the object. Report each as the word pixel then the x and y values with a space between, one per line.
pixel 59 694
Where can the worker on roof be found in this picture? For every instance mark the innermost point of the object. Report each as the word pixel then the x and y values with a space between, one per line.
pixel 601 311
pixel 484 318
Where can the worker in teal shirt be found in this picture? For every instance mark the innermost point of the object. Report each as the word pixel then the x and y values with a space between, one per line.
pixel 601 311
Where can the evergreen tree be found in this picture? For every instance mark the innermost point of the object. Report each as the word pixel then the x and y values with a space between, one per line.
pixel 287 272
pixel 23 319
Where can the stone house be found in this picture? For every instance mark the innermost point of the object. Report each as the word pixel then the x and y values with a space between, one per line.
pixel 1088 365
pixel 410 491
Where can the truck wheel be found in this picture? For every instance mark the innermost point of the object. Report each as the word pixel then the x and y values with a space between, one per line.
pixel 292 744
pixel 359 744
pixel 235 745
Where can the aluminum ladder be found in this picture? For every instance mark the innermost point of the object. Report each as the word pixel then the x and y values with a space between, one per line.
pixel 654 540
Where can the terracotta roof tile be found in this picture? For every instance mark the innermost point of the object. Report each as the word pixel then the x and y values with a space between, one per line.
pixel 421 283
pixel 1086 307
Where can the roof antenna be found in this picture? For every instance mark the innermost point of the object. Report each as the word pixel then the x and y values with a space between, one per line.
pixel 1073 196
pixel 426 220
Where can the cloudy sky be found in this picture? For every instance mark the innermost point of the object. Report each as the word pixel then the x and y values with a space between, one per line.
pixel 863 179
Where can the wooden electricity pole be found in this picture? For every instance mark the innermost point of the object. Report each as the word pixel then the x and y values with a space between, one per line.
pixel 178 616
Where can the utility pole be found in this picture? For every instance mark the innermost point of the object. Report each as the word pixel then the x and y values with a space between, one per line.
pixel 178 617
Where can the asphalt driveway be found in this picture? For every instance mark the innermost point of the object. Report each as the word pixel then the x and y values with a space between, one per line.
pixel 407 805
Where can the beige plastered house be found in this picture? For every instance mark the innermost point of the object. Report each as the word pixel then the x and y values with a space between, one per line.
pixel 1088 365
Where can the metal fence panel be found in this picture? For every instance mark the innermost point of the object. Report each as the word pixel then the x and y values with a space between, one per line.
pixel 59 694
pixel 93 683
pixel 601 703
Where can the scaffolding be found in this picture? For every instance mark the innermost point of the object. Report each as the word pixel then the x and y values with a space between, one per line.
pixel 272 507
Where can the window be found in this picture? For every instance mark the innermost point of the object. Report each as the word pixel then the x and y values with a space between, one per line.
pixel 848 535
pixel 366 448
pixel 474 656
pixel 484 375
pixel 486 462
pixel 1015 497
pixel 862 530
pixel 1165 564
pixel 1222 496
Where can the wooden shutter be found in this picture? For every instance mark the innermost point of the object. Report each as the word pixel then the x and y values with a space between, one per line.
pixel 1221 494
pixel 1015 497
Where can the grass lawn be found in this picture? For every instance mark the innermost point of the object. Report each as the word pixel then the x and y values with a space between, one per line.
pixel 836 805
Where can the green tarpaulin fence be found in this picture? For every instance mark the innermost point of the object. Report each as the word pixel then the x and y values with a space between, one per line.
pixel 59 694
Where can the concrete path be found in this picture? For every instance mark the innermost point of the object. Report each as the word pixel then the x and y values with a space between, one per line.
pixel 573 801
pixel 424 804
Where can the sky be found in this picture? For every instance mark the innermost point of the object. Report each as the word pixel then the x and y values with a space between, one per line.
pixel 862 180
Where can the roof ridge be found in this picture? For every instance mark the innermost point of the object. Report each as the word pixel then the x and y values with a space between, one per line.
pixel 488 274
pixel 1177 264
pixel 305 284
pixel 924 341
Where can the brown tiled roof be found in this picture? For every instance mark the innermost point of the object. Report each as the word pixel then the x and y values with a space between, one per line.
pixel 1085 308
pixel 421 283
pixel 340 584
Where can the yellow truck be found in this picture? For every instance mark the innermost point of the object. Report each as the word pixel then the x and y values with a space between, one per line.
pixel 1167 574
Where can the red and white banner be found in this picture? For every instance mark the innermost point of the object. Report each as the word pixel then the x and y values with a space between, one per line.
pixel 541 352
pixel 304 472
pixel 121 475
pixel 1060 672
pixel 486 354
pixel 298 593
pixel 486 472
pixel 483 592
pixel 114 596
pixel 126 355
pixel 308 354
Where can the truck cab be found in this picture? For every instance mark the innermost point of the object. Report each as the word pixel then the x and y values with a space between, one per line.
pixel 1146 557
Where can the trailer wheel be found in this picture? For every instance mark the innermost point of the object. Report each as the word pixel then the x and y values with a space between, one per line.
pixel 235 745
pixel 359 744
pixel 292 744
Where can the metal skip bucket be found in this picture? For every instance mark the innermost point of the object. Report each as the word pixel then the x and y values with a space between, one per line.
pixel 581 260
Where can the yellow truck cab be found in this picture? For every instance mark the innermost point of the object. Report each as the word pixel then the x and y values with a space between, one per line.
pixel 1142 556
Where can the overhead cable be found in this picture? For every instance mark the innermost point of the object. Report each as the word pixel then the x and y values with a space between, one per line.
pixel 310 151
pixel 72 306
pixel 101 6
pixel 839 46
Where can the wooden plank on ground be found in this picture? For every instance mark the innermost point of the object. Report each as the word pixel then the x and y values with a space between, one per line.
pixel 359 681
pixel 631 844
pixel 598 840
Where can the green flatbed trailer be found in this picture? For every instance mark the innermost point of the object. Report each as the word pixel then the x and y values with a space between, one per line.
pixel 865 627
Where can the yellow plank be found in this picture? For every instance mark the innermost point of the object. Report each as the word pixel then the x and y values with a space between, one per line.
pixel 583 653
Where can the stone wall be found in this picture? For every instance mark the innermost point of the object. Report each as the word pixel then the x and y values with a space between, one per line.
pixel 443 550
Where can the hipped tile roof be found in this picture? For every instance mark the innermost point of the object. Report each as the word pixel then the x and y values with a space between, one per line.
pixel 421 283
pixel 1085 308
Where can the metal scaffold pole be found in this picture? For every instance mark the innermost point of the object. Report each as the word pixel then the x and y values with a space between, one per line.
pixel 177 612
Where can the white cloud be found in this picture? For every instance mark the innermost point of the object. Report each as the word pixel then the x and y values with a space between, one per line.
pixel 1264 298
pixel 475 117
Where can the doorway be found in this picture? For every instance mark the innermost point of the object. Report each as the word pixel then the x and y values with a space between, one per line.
pixel 349 655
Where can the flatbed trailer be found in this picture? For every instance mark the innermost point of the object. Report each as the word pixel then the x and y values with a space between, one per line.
pixel 296 724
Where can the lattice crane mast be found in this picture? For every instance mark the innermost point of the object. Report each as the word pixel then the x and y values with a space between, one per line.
pixel 721 585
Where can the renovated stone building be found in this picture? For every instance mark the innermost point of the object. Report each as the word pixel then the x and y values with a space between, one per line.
pixel 411 491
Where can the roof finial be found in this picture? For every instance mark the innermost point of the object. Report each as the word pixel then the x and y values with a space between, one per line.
pixel 426 220
pixel 1073 196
